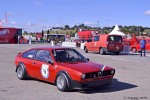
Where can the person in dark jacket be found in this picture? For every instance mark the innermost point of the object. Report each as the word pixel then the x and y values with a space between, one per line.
pixel 143 43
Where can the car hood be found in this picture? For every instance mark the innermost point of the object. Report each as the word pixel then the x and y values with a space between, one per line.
pixel 85 67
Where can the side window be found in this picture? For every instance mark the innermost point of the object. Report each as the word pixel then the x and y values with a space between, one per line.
pixel 118 38
pixel 111 38
pixel 96 38
pixel 29 54
pixel 43 55
pixel 72 54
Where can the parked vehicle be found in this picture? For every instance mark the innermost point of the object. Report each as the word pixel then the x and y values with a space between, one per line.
pixel 65 67
pixel 104 43
pixel 134 43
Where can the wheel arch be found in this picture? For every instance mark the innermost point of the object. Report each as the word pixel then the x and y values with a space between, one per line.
pixel 100 47
pixel 132 48
pixel 68 78
pixel 20 63
pixel 26 76
pixel 104 50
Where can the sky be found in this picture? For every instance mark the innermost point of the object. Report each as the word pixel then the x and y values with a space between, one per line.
pixel 38 15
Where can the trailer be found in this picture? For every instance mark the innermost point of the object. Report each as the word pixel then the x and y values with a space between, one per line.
pixel 55 37
pixel 9 35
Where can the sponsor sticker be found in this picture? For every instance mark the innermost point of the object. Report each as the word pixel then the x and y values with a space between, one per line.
pixel 5 31
pixel 45 70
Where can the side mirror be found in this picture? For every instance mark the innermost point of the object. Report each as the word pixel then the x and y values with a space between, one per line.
pixel 49 61
pixel 89 40
pixel 87 59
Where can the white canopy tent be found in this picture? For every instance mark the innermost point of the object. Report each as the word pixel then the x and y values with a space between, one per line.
pixel 116 31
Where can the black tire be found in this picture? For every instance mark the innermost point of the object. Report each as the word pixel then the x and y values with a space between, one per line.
pixel 21 72
pixel 134 50
pixel 101 51
pixel 62 82
pixel 85 49
pixel 117 53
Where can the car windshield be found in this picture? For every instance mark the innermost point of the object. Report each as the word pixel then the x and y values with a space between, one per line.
pixel 68 55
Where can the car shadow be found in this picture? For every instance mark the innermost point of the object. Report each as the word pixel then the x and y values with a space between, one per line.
pixel 115 86
pixel 43 82
pixel 113 54
pixel 125 54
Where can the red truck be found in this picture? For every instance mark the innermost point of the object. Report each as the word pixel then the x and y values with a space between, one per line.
pixel 134 43
pixel 86 34
pixel 104 43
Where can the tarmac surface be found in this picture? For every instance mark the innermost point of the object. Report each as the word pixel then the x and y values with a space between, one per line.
pixel 131 81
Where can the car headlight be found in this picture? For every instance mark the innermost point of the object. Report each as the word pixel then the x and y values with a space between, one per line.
pixel 83 76
pixel 112 72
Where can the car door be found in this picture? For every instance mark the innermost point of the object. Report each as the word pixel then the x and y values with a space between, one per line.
pixel 28 59
pixel 95 46
pixel 89 44
pixel 115 43
pixel 43 69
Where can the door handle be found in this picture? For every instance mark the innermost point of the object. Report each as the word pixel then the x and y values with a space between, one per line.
pixel 33 62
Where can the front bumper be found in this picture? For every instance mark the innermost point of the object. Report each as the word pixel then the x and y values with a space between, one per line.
pixel 91 84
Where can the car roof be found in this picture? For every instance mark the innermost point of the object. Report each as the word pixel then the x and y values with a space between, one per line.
pixel 51 47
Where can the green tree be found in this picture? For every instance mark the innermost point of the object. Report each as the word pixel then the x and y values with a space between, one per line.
pixel 67 27
pixel 125 30
pixel 75 27
pixel 25 33
pixel 42 33
pixel 48 31
pixel 72 34
pixel 81 26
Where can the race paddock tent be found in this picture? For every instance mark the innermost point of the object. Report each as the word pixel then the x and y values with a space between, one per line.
pixel 116 31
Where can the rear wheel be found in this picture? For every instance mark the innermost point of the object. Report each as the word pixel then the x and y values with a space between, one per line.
pixel 117 53
pixel 85 49
pixel 134 50
pixel 101 51
pixel 61 82
pixel 21 72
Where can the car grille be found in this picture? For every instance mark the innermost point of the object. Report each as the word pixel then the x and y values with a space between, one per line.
pixel 105 73
pixel 97 74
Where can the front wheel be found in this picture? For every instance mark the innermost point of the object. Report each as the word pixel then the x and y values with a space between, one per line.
pixel 117 53
pixel 21 72
pixel 134 50
pixel 61 82
pixel 85 49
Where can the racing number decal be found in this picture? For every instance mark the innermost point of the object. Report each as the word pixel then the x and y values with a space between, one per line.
pixel 45 70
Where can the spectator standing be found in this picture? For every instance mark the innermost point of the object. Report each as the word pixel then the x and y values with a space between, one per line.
pixel 19 39
pixel 36 39
pixel 30 39
pixel 143 43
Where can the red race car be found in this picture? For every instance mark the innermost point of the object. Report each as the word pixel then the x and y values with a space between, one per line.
pixel 65 67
